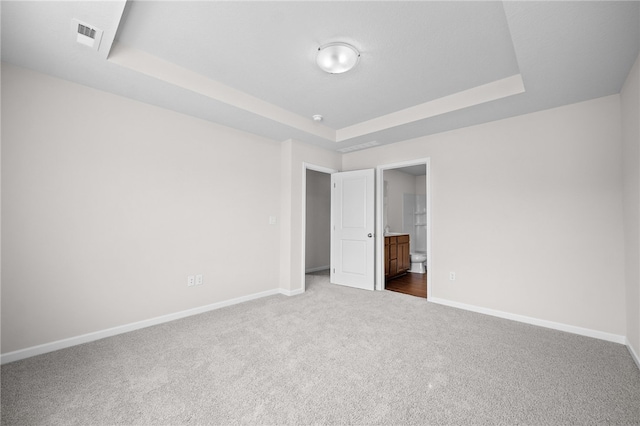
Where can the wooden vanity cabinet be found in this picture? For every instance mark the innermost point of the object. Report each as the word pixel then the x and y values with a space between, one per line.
pixel 396 256
pixel 386 258
pixel 404 259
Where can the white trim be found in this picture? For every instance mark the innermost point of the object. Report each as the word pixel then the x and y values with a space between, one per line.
pixel 295 292
pixel 633 353
pixel 308 166
pixel 90 337
pixel 319 268
pixel 492 91
pixel 379 218
pixel 97 335
pixel 153 66
pixel 616 338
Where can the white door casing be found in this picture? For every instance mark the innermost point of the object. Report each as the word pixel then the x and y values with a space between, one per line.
pixel 352 229
pixel 380 219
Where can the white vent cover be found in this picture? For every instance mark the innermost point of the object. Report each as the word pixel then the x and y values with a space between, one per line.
pixel 86 34
pixel 359 146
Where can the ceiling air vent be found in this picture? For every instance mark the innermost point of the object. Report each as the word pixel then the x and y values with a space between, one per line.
pixel 89 32
pixel 86 34
pixel 359 146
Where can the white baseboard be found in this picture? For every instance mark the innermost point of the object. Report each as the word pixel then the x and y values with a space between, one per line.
pixel 534 321
pixel 319 268
pixel 291 292
pixel 97 335
pixel 633 353
pixel 90 337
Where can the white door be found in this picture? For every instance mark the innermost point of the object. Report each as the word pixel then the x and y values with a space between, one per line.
pixel 352 229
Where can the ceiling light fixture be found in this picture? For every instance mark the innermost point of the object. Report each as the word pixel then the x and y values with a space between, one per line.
pixel 317 117
pixel 336 58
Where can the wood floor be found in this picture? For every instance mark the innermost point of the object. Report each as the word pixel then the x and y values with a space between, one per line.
pixel 411 283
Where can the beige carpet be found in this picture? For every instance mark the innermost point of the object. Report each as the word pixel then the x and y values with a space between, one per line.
pixel 333 355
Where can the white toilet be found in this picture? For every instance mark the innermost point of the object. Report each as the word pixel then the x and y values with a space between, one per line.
pixel 417 262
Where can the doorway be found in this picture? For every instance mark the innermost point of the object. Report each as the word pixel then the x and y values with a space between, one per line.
pixel 316 218
pixel 318 221
pixel 403 212
pixel 379 228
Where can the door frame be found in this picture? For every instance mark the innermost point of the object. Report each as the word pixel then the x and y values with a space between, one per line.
pixel 316 168
pixel 380 219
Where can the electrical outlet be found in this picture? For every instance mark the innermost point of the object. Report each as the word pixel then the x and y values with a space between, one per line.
pixel 191 280
pixel 199 279
pixel 452 276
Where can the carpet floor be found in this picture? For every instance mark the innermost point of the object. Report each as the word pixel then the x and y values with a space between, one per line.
pixel 332 355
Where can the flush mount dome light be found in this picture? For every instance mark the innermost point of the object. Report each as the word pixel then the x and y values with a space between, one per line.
pixel 336 58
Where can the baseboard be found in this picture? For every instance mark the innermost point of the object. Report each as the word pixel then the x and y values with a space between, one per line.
pixel 534 321
pixel 291 292
pixel 633 353
pixel 90 337
pixel 319 268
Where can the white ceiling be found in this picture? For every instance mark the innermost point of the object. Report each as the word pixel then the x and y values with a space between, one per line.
pixel 425 67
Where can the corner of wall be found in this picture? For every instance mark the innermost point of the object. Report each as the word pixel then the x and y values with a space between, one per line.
pixel 293 155
pixel 286 150
pixel 630 125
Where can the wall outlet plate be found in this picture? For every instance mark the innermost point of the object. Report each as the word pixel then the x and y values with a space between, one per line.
pixel 199 279
pixel 191 280
pixel 452 276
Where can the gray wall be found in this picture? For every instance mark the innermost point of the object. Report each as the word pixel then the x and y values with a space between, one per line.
pixel 631 183
pixel 107 209
pixel 318 221
pixel 108 204
pixel 398 184
pixel 528 212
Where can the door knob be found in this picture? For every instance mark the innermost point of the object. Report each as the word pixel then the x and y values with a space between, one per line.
pixel 370 235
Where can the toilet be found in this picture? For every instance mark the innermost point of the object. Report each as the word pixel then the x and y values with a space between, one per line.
pixel 417 262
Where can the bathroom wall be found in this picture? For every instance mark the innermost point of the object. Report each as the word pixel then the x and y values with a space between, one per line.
pixel 421 185
pixel 420 238
pixel 398 184
pixel 417 220
pixel 318 221
pixel 405 196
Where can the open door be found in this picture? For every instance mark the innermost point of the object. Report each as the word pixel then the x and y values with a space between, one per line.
pixel 352 229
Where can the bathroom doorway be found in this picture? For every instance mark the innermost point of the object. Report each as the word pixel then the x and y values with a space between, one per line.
pixel 404 214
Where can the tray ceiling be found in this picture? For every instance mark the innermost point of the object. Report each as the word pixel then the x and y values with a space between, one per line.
pixel 425 67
